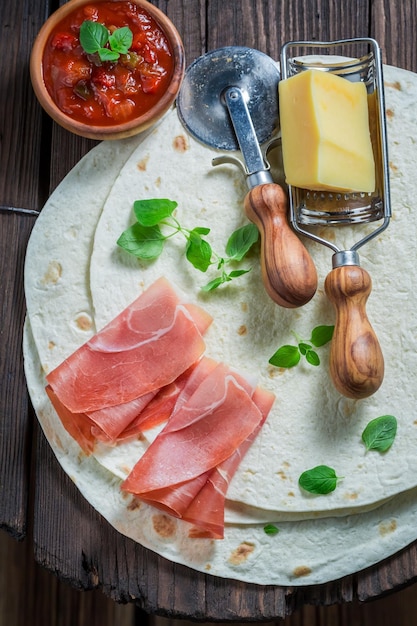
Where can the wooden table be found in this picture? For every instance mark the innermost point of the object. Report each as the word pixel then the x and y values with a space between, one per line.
pixel 69 537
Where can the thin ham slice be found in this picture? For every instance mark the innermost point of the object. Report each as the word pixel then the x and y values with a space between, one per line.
pixel 78 425
pixel 206 511
pixel 210 434
pixel 169 399
pixel 110 421
pixel 207 429
pixel 135 354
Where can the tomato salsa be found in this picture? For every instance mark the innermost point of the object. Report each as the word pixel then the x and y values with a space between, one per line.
pixel 105 93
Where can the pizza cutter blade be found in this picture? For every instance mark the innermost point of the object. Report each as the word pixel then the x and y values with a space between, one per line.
pixel 229 101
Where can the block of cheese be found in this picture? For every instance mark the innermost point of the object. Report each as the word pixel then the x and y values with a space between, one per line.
pixel 326 141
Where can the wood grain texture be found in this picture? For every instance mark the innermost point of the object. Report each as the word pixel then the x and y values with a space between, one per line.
pixel 393 25
pixel 74 547
pixel 288 271
pixel 15 427
pixel 356 359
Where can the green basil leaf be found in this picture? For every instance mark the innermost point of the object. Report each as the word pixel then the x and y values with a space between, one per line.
pixel 380 433
pixel 319 480
pixel 304 347
pixel 121 40
pixel 213 284
pixel 201 230
pixel 237 273
pixel 151 212
pixel 286 356
pixel 241 241
pixel 106 54
pixel 143 242
pixel 312 357
pixel 271 529
pixel 198 252
pixel 93 36
pixel 321 335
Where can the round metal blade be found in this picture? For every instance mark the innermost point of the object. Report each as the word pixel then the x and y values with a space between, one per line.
pixel 201 105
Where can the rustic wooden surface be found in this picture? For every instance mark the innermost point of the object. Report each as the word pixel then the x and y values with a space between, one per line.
pixel 65 546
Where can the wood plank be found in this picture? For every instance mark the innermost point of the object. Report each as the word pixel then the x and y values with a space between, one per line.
pixel 47 600
pixel 268 25
pixel 20 114
pixel 20 119
pixel 393 25
pixel 15 428
pixel 190 21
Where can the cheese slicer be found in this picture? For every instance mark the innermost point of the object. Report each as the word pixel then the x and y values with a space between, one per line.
pixel 356 359
pixel 229 101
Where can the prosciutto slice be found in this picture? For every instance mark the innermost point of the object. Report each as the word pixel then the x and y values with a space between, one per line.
pixel 210 433
pixel 169 399
pixel 206 511
pixel 78 425
pixel 207 429
pixel 135 354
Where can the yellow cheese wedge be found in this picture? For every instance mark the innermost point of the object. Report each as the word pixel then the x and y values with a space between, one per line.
pixel 326 142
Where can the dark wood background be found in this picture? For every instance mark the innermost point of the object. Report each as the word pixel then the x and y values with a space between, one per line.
pixel 54 546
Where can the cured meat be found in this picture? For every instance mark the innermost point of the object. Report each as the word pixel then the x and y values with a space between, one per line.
pixel 169 399
pixel 210 433
pixel 205 431
pixel 109 422
pixel 206 511
pixel 135 354
pixel 78 425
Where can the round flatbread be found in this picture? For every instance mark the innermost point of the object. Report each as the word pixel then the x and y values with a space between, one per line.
pixel 100 279
pixel 311 423
pixel 57 267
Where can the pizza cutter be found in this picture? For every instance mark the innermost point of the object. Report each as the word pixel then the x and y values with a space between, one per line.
pixel 356 359
pixel 229 101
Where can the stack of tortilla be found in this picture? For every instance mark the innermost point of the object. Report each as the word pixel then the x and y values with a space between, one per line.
pixel 77 279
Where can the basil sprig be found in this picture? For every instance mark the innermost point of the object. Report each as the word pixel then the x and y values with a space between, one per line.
pixel 145 240
pixel 289 355
pixel 96 38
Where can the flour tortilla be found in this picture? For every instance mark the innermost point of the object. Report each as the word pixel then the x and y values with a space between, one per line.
pixel 57 264
pixel 297 553
pixel 302 553
pixel 310 423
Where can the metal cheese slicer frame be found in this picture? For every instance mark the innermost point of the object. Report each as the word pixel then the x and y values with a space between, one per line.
pixel 356 360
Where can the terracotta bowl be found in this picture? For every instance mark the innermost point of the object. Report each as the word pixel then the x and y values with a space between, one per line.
pixel 117 130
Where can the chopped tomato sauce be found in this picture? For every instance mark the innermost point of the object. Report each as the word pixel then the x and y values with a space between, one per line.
pixel 107 92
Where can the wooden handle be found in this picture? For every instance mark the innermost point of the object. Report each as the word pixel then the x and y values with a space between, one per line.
pixel 288 272
pixel 356 360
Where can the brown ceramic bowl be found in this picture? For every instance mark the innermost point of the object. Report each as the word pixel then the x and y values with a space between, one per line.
pixel 109 130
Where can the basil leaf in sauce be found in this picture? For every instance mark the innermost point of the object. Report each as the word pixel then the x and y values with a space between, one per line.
pixel 93 36
pixel 121 40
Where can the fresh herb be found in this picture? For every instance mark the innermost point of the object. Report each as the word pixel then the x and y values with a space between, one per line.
pixel 380 433
pixel 145 240
pixel 271 529
pixel 96 38
pixel 319 480
pixel 289 355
